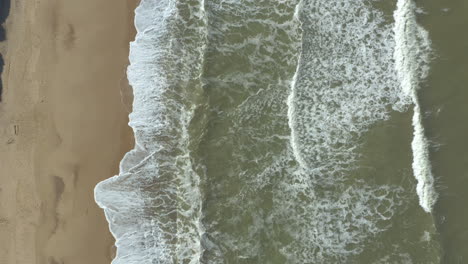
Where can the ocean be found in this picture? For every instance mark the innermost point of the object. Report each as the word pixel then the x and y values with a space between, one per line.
pixel 294 131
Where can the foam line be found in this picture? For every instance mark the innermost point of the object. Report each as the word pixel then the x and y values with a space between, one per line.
pixel 411 55
pixel 290 101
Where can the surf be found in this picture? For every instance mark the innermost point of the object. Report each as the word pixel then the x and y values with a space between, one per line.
pixel 412 51
pixel 154 205
pixel 249 121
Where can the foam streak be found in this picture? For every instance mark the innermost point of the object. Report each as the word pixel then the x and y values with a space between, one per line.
pixel 290 102
pixel 411 55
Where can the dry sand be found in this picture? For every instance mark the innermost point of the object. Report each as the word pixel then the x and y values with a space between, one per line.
pixel 63 127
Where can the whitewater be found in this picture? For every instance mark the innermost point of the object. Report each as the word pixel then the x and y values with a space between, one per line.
pixel 250 121
pixel 411 61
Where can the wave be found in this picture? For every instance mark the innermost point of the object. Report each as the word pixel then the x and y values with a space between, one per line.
pixel 249 120
pixel 292 97
pixel 411 61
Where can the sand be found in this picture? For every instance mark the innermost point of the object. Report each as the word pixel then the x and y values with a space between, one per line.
pixel 63 127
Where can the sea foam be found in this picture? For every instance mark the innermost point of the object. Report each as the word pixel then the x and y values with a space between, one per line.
pixel 345 83
pixel 411 55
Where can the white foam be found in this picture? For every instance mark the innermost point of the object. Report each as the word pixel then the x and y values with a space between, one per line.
pixel 412 51
pixel 292 97
pixel 345 82
pixel 329 226
pixel 255 117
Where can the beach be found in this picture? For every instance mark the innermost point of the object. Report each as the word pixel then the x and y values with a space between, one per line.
pixel 63 127
pixel 296 131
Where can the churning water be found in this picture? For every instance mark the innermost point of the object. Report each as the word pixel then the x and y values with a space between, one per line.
pixel 276 131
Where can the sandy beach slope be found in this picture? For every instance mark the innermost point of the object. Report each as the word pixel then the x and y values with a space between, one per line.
pixel 63 127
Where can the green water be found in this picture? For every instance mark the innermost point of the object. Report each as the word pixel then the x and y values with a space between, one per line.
pixel 444 99
pixel 278 131
pixel 259 206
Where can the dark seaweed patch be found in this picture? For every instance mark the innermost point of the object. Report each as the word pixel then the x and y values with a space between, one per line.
pixel 4 12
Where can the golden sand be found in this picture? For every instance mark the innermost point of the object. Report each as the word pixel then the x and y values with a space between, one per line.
pixel 63 127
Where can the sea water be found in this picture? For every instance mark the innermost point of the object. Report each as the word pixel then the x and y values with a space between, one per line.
pixel 276 131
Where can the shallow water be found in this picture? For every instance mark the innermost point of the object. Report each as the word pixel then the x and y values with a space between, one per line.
pixel 287 132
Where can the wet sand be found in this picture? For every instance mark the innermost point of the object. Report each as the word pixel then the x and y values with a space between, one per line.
pixel 63 127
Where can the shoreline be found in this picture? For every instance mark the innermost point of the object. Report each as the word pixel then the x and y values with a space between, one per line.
pixel 63 127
